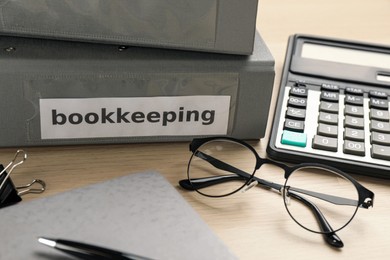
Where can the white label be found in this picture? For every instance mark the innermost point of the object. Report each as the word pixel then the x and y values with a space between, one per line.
pixel 131 117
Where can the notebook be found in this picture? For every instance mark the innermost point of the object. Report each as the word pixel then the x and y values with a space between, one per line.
pixel 139 213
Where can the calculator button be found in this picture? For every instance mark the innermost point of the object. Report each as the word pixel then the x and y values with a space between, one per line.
pixel 327 130
pixel 295 113
pixel 294 125
pixel 354 91
pixel 382 115
pixel 300 83
pixel 354 100
pixel 297 102
pixel 380 138
pixel 294 138
pixel 352 147
pixel 354 122
pixel 379 103
pixel 329 96
pixel 354 134
pixel 298 91
pixel 380 126
pixel 330 87
pixel 351 110
pixel 380 152
pixel 329 107
pixel 328 118
pixel 377 94
pixel 324 143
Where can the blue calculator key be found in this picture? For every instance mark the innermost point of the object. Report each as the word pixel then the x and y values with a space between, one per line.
pixel 294 138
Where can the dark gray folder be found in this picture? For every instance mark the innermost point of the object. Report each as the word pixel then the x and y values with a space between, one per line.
pixel 138 213
pixel 34 71
pixel 226 26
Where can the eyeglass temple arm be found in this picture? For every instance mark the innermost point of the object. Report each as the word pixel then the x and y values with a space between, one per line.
pixel 330 236
pixel 330 198
pixel 205 182
pixel 229 168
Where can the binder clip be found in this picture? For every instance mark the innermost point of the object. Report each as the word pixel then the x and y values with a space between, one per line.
pixel 11 194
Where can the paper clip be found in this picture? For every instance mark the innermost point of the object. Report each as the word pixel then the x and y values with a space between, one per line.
pixel 9 193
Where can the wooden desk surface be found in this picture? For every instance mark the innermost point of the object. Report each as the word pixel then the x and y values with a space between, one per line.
pixel 254 225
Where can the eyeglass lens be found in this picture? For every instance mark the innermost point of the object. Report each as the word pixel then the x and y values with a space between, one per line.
pixel 209 162
pixel 336 201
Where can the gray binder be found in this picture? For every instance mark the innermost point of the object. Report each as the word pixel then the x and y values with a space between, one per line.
pixel 226 26
pixel 60 92
pixel 138 213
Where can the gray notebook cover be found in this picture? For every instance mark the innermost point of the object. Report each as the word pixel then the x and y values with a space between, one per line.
pixel 138 213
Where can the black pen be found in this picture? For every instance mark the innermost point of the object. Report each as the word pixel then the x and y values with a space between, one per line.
pixel 86 251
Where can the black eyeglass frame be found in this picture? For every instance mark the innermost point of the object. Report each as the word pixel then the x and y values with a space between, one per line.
pixel 365 196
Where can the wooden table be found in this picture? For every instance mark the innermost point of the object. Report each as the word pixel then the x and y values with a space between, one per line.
pixel 255 225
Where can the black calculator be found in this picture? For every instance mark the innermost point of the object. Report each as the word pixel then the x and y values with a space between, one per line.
pixel 333 106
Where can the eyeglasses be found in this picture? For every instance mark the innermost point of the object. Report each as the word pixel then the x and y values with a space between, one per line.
pixel 319 198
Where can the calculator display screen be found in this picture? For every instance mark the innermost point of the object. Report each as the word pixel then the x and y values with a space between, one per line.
pixel 345 55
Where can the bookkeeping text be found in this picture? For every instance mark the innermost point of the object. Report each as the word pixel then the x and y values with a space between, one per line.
pixel 114 117
pixel 119 116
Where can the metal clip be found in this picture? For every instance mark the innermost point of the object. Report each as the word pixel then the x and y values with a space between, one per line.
pixel 12 164
pixel 32 190
pixel 9 194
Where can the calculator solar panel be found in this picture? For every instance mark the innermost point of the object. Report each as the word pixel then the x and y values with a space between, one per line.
pixel 333 106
